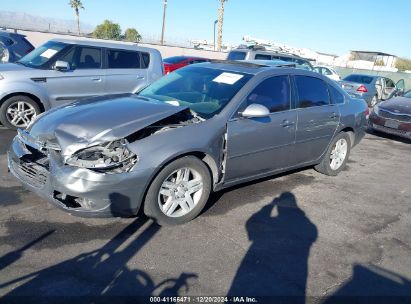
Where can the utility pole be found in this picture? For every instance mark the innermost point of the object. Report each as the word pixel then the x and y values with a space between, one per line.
pixel 164 22
pixel 215 23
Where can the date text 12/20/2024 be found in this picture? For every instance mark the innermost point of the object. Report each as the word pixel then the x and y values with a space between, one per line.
pixel 203 299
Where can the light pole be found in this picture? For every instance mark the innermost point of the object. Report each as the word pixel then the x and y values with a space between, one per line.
pixel 164 22
pixel 215 23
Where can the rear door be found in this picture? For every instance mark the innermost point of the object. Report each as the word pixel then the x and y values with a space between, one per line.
pixel 126 71
pixel 84 79
pixel 259 145
pixel 318 118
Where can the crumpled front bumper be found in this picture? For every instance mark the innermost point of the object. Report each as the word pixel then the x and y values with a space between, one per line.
pixel 78 191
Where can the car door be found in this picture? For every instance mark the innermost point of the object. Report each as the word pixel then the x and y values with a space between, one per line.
pixel 84 79
pixel 318 118
pixel 259 145
pixel 126 71
pixel 389 89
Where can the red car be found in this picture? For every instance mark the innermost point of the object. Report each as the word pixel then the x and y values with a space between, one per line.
pixel 176 62
pixel 393 116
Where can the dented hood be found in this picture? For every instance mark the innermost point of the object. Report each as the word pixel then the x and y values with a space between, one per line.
pixel 85 123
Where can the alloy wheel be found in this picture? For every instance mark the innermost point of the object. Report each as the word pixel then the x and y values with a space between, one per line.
pixel 338 154
pixel 180 192
pixel 20 114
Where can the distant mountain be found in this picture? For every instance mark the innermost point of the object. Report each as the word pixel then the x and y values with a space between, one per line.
pixel 32 22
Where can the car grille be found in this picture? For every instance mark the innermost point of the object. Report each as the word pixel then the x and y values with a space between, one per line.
pixel 33 168
pixel 399 117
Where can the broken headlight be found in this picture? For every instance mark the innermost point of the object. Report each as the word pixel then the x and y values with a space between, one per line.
pixel 112 157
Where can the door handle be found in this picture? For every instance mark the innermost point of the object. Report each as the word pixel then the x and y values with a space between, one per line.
pixel 333 115
pixel 140 77
pixel 286 124
pixel 96 79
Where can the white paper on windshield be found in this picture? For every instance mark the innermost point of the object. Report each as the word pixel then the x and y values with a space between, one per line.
pixel 228 78
pixel 48 53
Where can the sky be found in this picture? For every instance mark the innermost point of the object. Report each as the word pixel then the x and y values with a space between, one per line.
pixel 328 26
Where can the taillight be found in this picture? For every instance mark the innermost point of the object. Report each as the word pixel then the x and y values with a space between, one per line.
pixel 362 89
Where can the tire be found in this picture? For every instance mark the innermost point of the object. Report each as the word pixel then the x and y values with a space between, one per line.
pixel 171 206
pixel 27 110
pixel 374 101
pixel 327 166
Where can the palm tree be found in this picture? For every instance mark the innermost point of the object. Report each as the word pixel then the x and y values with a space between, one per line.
pixel 220 24
pixel 77 5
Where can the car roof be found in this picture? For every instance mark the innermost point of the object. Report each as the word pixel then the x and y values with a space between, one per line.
pixel 277 63
pixel 103 43
pixel 186 57
pixel 268 53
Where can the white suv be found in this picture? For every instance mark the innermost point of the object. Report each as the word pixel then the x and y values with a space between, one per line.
pixel 63 71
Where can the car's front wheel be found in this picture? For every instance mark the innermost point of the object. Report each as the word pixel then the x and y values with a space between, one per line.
pixel 18 111
pixel 336 157
pixel 179 192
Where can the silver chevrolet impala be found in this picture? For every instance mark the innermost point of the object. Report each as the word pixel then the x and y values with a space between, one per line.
pixel 200 129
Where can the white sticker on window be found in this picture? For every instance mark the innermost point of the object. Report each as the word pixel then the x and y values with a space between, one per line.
pixel 48 53
pixel 173 102
pixel 228 78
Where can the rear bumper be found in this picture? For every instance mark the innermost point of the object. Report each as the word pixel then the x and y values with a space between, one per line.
pixel 80 192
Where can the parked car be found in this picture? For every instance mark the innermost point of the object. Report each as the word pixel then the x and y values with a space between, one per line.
pixel 276 63
pixel 13 46
pixel 199 129
pixel 63 71
pixel 393 116
pixel 173 63
pixel 328 72
pixel 372 88
pixel 262 54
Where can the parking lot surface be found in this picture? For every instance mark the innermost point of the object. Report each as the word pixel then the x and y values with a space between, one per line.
pixel 301 233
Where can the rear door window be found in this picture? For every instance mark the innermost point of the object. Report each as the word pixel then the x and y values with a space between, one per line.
pixel 337 97
pixel 262 57
pixel 312 92
pixel 236 55
pixel 273 93
pixel 123 59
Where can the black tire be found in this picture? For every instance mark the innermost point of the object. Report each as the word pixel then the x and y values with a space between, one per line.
pixel 151 203
pixel 325 166
pixel 11 102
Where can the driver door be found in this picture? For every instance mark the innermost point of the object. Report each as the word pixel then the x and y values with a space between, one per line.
pixel 260 145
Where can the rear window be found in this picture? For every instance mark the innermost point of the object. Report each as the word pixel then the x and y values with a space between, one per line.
pixel 359 79
pixel 236 55
pixel 122 59
pixel 312 92
pixel 175 59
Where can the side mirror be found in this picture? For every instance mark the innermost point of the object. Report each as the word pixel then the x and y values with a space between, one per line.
pixel 62 66
pixel 255 110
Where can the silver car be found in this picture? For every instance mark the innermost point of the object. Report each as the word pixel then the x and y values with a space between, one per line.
pixel 199 129
pixel 372 88
pixel 63 71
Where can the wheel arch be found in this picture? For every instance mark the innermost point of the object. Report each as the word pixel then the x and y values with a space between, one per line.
pixel 351 133
pixel 29 95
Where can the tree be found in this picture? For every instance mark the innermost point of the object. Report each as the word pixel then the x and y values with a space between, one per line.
pixel 220 24
pixel 132 35
pixel 77 5
pixel 108 30
pixel 403 64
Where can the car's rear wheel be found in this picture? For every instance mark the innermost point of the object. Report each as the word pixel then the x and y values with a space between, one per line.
pixel 179 192
pixel 18 112
pixel 335 159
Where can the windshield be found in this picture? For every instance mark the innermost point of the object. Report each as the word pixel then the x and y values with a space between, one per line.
pixel 359 78
pixel 205 91
pixel 41 55
pixel 235 55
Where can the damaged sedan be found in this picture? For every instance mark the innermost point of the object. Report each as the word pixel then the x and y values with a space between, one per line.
pixel 200 129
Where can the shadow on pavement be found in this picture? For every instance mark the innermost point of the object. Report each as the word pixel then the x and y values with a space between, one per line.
pixel 372 284
pixel 276 264
pixel 102 272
